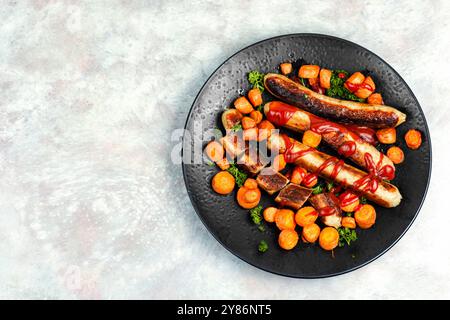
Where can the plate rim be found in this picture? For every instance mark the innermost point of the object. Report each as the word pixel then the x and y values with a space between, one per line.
pixel 334 274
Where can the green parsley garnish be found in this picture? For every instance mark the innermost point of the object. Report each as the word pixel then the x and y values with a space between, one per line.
pixel 317 189
pixel 210 163
pixel 263 246
pixel 337 89
pixel 330 186
pixel 238 175
pixel 256 216
pixel 362 200
pixel 260 109
pixel 346 235
pixel 236 127
pixel 256 79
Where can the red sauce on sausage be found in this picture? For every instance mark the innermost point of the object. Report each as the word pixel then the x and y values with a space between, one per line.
pixel 377 172
pixel 280 113
pixel 326 211
pixel 347 198
pixel 366 134
pixel 289 155
pixel 347 149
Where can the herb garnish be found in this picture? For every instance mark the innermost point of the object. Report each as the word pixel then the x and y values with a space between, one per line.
pixel 236 127
pixel 263 246
pixel 330 186
pixel 256 79
pixel 260 109
pixel 317 189
pixel 346 235
pixel 337 89
pixel 362 200
pixel 255 214
pixel 238 175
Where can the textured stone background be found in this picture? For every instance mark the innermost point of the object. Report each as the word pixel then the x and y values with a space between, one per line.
pixel 90 204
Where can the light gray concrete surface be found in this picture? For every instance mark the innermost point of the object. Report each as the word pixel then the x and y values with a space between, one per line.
pixel 90 204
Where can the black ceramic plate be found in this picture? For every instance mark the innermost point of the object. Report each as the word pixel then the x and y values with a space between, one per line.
pixel 231 225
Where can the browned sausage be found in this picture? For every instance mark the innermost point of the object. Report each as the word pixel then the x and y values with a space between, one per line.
pixel 374 116
pixel 346 142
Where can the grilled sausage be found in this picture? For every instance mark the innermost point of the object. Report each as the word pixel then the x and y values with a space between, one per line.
pixel 271 181
pixel 328 207
pixel 374 116
pixel 293 195
pixel 369 184
pixel 339 137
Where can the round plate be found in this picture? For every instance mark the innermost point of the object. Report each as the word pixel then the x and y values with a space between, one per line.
pixel 231 225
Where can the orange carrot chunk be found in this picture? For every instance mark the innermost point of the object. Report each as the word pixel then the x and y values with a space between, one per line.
pixel 243 105
pixel 269 214
pixel 248 123
pixel 375 98
pixel 223 182
pixel 365 216
pixel 288 239
pixel 255 97
pixel 325 78
pixel 387 136
pixel 311 139
pixel 396 155
pixel 413 139
pixel 286 68
pixel 311 233
pixel 284 219
pixel 329 238
pixel 309 71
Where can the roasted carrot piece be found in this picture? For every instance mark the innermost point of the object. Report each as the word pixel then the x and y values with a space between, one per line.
pixel 396 155
pixel 325 78
pixel 308 71
pixel 306 216
pixel 365 92
pixel 265 128
pixel 375 98
pixel 284 219
pixel 286 68
pixel 214 151
pixel 329 238
pixel 348 222
pixel 255 97
pixel 310 233
pixel 243 105
pixel 256 116
pixel 269 214
pixel 223 182
pixel 288 239
pixel 356 78
pixel 248 123
pixel 387 136
pixel 413 139
pixel 311 139
pixel 278 163
pixel 250 184
pixel 248 198
pixel 365 216
pixel 298 174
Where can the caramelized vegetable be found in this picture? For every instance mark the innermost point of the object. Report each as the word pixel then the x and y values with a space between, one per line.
pixel 288 239
pixel 356 79
pixel 298 174
pixel 345 204
pixel 214 151
pixel 278 163
pixel 306 216
pixel 387 136
pixel 223 182
pixel 396 155
pixel 223 164
pixel 248 123
pixel 248 198
pixel 284 219
pixel 269 214
pixel 256 116
pixel 311 139
pixel 250 184
pixel 325 78
pixel 265 130
pixel 349 222
pixel 231 118
pixel 329 238
pixel 365 216
pixel 243 105
pixel 309 180
pixel 255 97
pixel 310 233
pixel 250 134
pixel 375 98
pixel 364 91
pixel 308 71
pixel 286 68
pixel 413 139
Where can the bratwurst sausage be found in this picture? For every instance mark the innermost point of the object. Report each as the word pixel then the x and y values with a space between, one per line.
pixel 347 143
pixel 373 116
pixel 369 184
